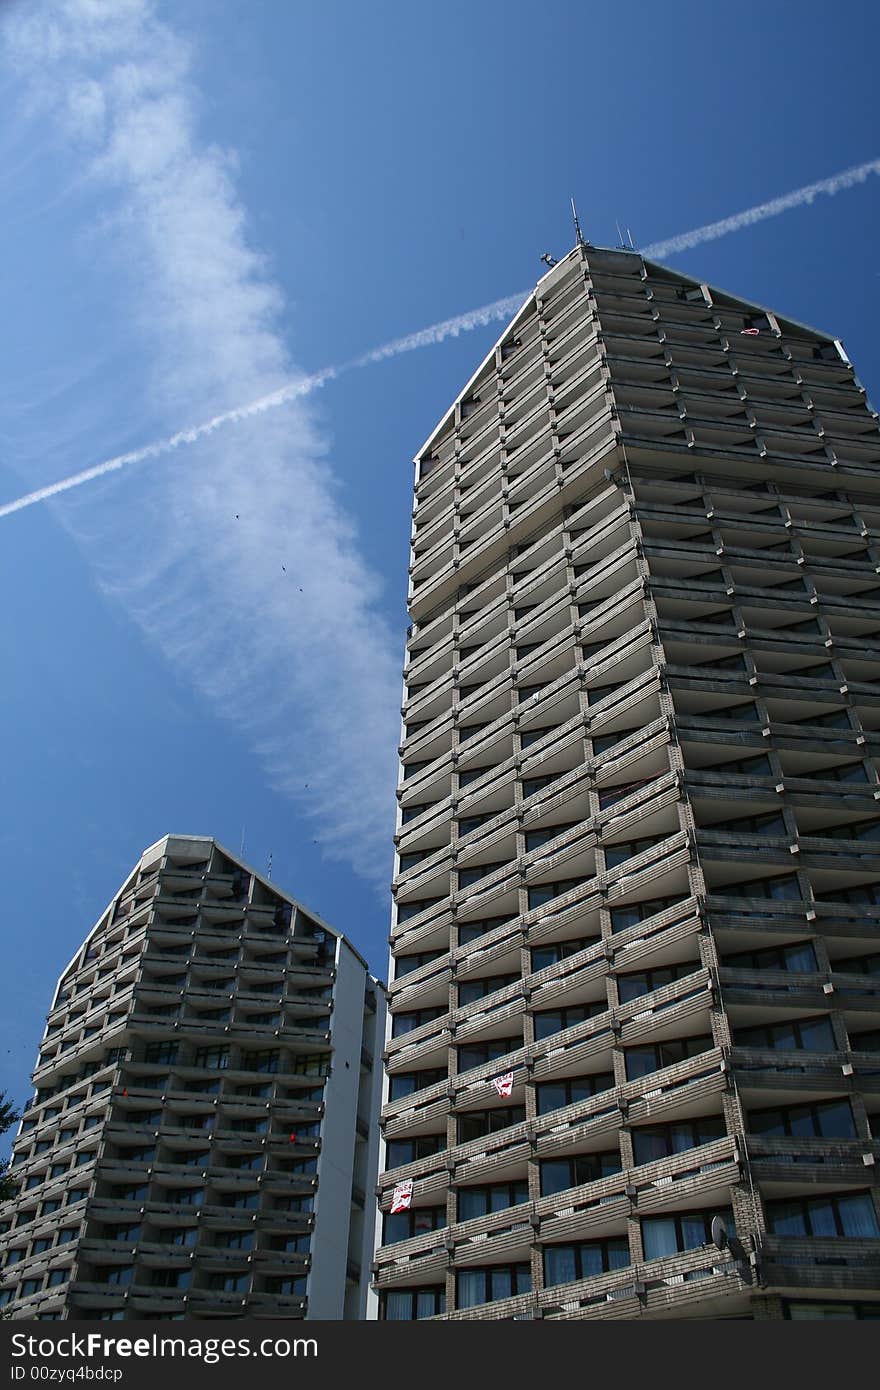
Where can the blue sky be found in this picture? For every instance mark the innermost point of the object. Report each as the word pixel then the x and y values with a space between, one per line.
pixel 204 201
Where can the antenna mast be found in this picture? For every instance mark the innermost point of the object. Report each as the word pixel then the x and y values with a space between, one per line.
pixel 577 226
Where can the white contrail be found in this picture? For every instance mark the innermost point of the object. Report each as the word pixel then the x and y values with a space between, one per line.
pixel 449 328
pixel 437 333
pixel 302 387
pixel 800 197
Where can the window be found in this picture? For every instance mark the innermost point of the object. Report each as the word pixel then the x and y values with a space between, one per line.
pixel 641 1061
pixel 288 1287
pixel 406 1083
pixel 308 1064
pixel 240 1201
pixel 480 1201
pixel 469 931
pixel 799 956
pixel 835 1311
pixel 186 1196
pixel 234 1239
pixel 67 1233
pixel 470 991
pixel 119 1274
pixel 266 1061
pixel 602 742
pixel 850 772
pixel 403 1225
pixel 786 886
pixel 832 1119
pixel 804 1034
pixel 627 849
pixel 404 965
pixel 545 892
pixel 536 784
pixel 633 913
pixel 473 774
pixel 855 830
pixel 868 893
pixel 651 1142
pixel 670 1235
pixel 600 692
pixel 849 1214
pixel 126 1233
pixel 529 736
pixel 58 1276
pixel 128 1192
pixel 565 1263
pixel 30 1286
pixel 409 1305
pixel 466 877
pixel 168 1278
pixel 40 1246
pixel 213 1057
pixel 757 766
pixel 553 1095
pixel 229 1283
pixel 14 1256
pixel 476 1286
pixel 412 909
pixel 633 986
pixel 554 1020
pixel 858 965
pixel 291 1245
pixel 536 838
pixel 400 1151
pixel 559 1174
pixel 478 1123
pixel 555 951
pixel 475 1054
pixel 469 823
pixel 773 823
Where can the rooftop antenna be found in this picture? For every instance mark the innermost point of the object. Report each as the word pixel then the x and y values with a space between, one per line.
pixel 620 241
pixel 269 865
pixel 577 226
pixel 632 245
pixel 549 260
pixel 241 851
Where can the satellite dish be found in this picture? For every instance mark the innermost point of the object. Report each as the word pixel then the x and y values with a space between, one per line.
pixel 719 1234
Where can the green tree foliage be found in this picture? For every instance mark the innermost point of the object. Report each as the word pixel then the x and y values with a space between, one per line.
pixel 8 1117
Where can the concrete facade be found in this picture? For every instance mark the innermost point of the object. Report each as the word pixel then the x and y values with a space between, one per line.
pixel 635 946
pixel 204 1128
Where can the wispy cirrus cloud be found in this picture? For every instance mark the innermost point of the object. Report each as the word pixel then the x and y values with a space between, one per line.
pixel 244 568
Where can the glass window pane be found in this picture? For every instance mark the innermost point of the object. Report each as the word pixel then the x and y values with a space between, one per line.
pixel 471 1286
pixel 658 1236
pixel 471 1203
pixel 559 1264
pixel 820 1217
pixel 648 1146
pixel 501 1284
pixel 693 1232
pixel 816 1035
pixel 786 1219
pixel 427 1304
pixel 554 1176
pixel 592 1261
pixel 618 1253
pixel 836 1120
pixel 857 1215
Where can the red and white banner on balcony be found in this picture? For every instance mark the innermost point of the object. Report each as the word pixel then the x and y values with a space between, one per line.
pixel 401 1197
pixel 503 1084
